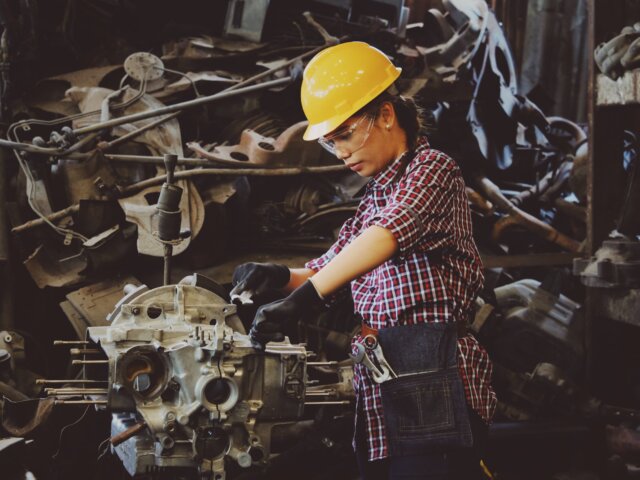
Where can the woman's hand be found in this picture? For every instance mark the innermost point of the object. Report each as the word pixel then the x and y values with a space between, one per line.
pixel 270 321
pixel 259 278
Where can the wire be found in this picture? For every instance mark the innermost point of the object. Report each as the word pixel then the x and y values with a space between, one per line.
pixel 55 455
pixel 176 72
pixel 12 132
pixel 104 446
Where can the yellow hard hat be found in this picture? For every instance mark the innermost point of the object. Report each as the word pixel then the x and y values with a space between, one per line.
pixel 339 81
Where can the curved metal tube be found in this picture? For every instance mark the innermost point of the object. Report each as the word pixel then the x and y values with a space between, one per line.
pixel 516 216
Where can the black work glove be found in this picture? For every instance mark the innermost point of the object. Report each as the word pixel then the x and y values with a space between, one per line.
pixel 271 319
pixel 259 278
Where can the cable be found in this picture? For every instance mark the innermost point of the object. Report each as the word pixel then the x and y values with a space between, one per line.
pixel 176 72
pixel 55 455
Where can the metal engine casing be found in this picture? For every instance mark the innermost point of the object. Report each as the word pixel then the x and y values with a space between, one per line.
pixel 179 360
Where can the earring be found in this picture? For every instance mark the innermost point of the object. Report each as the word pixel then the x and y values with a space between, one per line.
pixel 388 127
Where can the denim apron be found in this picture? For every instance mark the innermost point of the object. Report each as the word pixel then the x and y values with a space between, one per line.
pixel 425 407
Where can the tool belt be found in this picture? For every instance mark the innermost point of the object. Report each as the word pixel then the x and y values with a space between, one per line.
pixel 424 407
pixel 462 329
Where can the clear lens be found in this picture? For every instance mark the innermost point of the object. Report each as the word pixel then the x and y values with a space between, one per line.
pixel 349 139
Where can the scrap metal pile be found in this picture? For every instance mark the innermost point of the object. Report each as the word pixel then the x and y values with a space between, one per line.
pixel 172 364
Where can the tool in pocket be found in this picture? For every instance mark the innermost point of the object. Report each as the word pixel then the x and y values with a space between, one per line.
pixel 382 371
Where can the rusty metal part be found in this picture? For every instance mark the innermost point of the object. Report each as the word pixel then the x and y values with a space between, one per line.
pixel 479 201
pixel 288 149
pixel 518 217
pixel 127 434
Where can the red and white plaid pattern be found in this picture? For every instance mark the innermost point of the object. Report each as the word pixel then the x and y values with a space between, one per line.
pixel 435 276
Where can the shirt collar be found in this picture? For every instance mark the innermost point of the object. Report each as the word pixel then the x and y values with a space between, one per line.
pixel 386 176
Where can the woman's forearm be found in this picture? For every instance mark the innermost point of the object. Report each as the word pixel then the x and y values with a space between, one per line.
pixel 298 277
pixel 373 247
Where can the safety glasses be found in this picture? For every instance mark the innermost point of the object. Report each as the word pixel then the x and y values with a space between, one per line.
pixel 350 138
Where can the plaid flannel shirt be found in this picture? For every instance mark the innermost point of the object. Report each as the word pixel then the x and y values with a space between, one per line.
pixel 434 277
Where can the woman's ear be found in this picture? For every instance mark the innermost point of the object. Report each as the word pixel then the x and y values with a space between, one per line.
pixel 387 115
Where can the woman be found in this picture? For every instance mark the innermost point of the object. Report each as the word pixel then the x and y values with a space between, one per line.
pixel 413 267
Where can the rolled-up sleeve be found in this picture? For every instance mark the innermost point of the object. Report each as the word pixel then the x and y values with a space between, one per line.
pixel 419 213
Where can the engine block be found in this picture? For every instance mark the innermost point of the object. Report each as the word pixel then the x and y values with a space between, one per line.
pixel 187 389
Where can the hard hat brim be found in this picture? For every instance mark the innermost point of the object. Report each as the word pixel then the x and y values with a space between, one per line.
pixel 317 130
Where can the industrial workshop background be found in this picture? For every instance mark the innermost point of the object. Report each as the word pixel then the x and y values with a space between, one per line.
pixel 149 147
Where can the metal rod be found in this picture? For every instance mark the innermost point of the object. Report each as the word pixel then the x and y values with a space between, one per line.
pixel 80 402
pixel 76 391
pixel 135 133
pixel 89 362
pixel 84 351
pixel 168 251
pixel 337 402
pixel 182 106
pixel 127 434
pixel 44 381
pixel 184 161
pixel 266 172
pixel 322 364
pixel 54 216
pixel 70 342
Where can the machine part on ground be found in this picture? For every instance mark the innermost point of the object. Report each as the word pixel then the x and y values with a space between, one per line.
pixel 533 326
pixel 187 388
pixel 288 149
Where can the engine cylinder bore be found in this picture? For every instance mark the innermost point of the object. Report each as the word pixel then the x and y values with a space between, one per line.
pixel 144 372
pixel 218 393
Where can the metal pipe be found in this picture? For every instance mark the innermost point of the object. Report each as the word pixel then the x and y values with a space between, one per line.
pixel 89 362
pixel 84 351
pixel 127 434
pixel 76 391
pixel 337 402
pixel 166 274
pixel 39 221
pixel 44 381
pixel 70 342
pixel 152 160
pixel 80 402
pixel 182 106
pixel 135 133
pixel 267 172
pixel 516 216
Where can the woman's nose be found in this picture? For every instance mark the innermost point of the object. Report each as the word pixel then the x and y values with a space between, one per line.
pixel 343 154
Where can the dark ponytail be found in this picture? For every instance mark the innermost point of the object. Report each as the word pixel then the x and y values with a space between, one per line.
pixel 409 114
